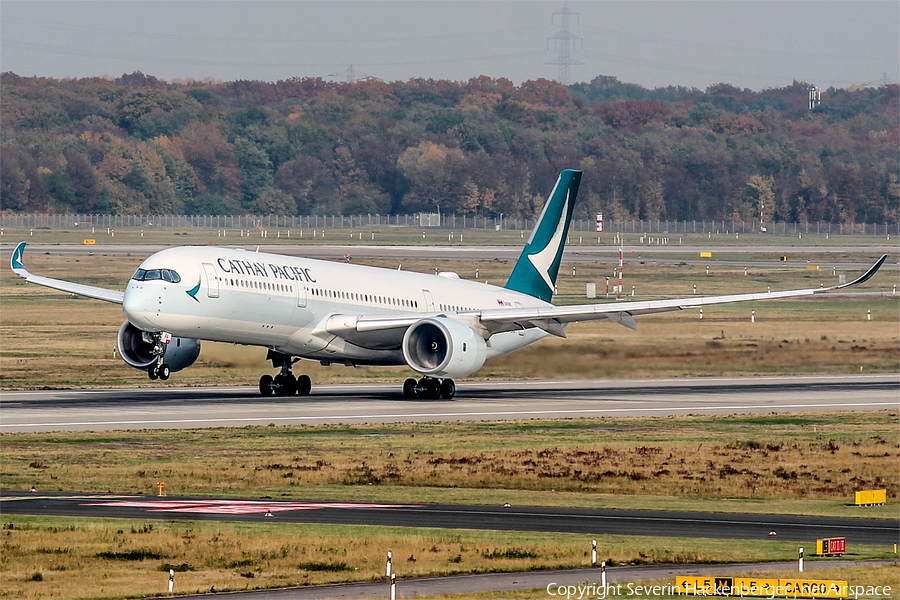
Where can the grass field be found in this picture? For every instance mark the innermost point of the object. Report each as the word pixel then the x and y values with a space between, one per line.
pixel 800 464
pixel 56 557
pixel 385 235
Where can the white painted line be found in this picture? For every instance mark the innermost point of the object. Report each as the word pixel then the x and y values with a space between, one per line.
pixel 451 414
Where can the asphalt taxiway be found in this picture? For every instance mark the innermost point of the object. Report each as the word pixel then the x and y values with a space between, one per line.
pixel 624 581
pixel 453 516
pixel 168 407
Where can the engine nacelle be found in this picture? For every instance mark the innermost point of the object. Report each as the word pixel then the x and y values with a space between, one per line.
pixel 137 351
pixel 442 347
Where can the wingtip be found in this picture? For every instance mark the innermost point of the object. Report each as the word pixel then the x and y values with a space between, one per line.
pixel 15 262
pixel 865 276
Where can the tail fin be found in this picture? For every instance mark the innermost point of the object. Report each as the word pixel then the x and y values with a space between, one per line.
pixel 537 267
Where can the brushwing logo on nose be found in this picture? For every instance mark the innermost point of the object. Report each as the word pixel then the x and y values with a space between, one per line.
pixel 193 291
pixel 543 260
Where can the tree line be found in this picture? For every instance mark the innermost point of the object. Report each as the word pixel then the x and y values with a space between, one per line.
pixel 139 145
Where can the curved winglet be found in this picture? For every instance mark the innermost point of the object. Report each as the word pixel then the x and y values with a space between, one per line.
pixel 90 291
pixel 15 263
pixel 865 276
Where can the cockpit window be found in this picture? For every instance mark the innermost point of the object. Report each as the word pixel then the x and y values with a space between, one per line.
pixel 157 274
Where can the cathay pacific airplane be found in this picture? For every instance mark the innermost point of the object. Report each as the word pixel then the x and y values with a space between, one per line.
pixel 440 326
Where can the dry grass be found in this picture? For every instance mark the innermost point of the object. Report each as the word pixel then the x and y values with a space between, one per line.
pixel 104 558
pixel 756 460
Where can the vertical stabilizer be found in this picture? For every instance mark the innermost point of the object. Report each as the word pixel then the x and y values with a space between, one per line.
pixel 537 267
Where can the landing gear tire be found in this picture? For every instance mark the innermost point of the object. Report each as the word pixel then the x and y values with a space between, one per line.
pixel 304 385
pixel 448 389
pixel 153 373
pixel 429 388
pixel 164 372
pixel 409 388
pixel 284 385
pixel 266 385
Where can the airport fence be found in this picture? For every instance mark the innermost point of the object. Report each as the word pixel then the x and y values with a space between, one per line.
pixel 430 220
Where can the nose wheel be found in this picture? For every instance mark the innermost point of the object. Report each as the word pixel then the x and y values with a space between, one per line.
pixel 429 388
pixel 161 372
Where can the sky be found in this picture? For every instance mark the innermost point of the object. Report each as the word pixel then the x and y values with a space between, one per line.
pixel 755 44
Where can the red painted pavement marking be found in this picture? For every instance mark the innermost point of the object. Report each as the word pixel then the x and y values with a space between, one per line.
pixel 237 507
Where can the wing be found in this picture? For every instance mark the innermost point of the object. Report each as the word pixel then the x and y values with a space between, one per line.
pixel 551 319
pixel 89 291
pixel 386 331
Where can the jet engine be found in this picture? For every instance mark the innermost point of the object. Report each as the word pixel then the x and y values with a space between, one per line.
pixel 136 347
pixel 442 347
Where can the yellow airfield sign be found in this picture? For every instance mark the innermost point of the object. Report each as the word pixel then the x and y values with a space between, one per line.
pixel 770 588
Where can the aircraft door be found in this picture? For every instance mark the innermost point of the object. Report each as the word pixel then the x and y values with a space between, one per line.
pixel 212 280
pixel 429 301
pixel 301 294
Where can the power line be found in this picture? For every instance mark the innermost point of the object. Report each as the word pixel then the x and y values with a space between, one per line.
pixel 564 41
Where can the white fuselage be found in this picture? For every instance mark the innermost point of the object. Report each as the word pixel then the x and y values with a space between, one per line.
pixel 285 303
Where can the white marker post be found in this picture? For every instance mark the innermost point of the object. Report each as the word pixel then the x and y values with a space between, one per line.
pixel 801 560
pixel 171 580
pixel 753 316
pixel 388 569
pixel 603 573
pixel 593 553
pixel 621 249
pixel 393 586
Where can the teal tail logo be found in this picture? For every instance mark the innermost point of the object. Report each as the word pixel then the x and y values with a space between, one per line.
pixel 535 272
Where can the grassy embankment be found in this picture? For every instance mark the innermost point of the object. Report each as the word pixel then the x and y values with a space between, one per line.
pixel 51 340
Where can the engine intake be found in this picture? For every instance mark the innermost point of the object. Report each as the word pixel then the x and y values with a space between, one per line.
pixel 180 353
pixel 442 347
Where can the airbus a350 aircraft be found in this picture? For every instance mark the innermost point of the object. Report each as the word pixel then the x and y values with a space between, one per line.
pixel 440 326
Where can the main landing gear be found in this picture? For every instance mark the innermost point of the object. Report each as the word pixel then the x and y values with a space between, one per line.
pixel 284 384
pixel 429 388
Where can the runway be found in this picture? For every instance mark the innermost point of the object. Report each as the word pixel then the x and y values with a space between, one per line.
pixel 451 516
pixel 167 407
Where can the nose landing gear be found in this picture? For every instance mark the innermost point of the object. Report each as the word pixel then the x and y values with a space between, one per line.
pixel 429 388
pixel 158 370
pixel 285 383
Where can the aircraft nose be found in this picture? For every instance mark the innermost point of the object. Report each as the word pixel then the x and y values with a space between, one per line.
pixel 138 306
